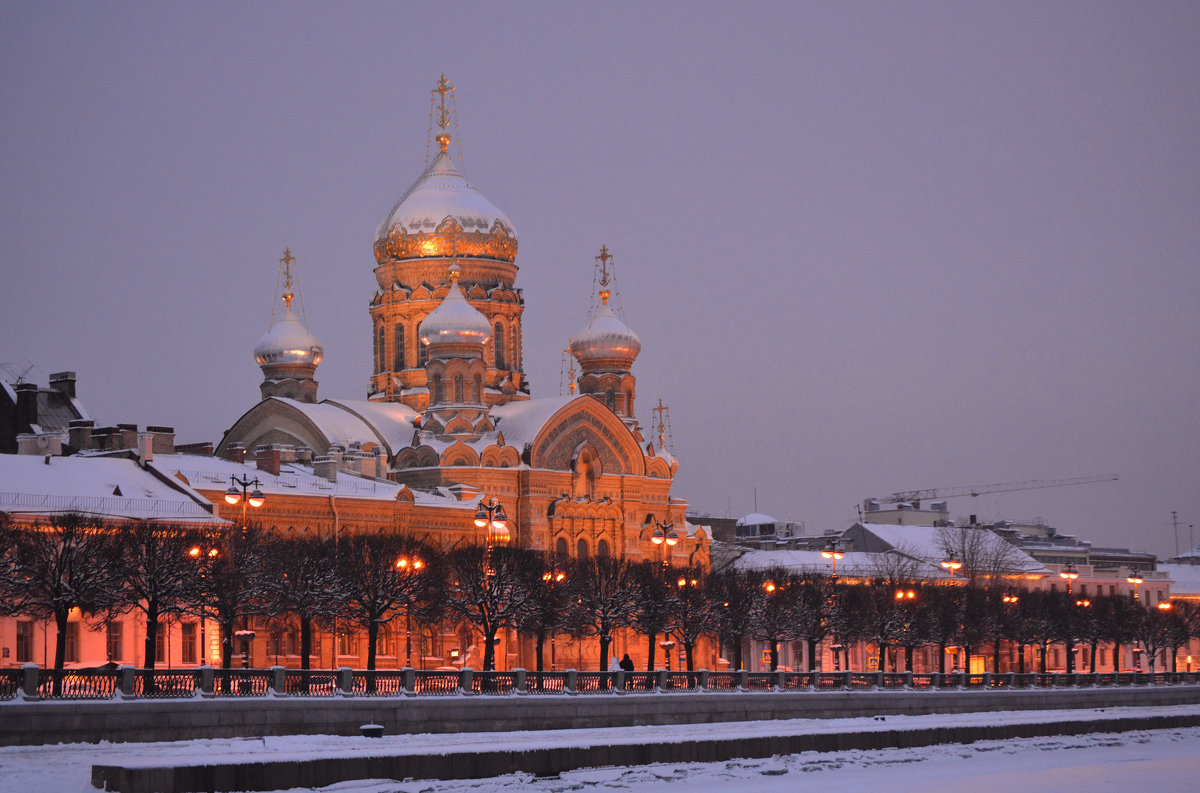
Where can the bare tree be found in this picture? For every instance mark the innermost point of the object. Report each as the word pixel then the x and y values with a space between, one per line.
pixel 56 567
pixel 986 557
pixel 153 571
pixel 692 616
pixel 550 596
pixel 734 594
pixel 302 579
pixel 490 588
pixel 774 616
pixel 604 589
pixel 655 601
pixel 228 580
pixel 385 572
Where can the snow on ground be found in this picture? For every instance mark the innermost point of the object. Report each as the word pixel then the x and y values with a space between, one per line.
pixel 1117 762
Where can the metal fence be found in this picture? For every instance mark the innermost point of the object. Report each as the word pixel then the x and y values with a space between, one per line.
pixel 31 683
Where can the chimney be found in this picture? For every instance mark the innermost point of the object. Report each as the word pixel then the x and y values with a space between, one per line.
pixel 326 467
pixel 287 453
pixel 43 444
pixel 145 447
pixel 235 453
pixel 79 434
pixel 164 439
pixel 102 439
pixel 268 458
pixel 63 382
pixel 27 399
pixel 304 455
pixel 129 435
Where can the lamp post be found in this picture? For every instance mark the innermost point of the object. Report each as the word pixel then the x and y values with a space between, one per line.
pixel 1070 573
pixel 953 565
pixel 1135 578
pixel 409 566
pixel 664 533
pixel 204 559
pixel 834 551
pixel 240 493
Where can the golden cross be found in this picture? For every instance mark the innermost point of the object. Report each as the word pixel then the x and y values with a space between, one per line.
pixel 443 88
pixel 660 410
pixel 604 258
pixel 288 258
pixel 286 261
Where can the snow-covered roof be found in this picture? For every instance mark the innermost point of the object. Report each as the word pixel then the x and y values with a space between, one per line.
pixel 213 473
pixel 107 487
pixel 928 543
pixel 755 519
pixel 856 564
pixel 392 421
pixel 337 424
pixel 521 421
pixel 1185 578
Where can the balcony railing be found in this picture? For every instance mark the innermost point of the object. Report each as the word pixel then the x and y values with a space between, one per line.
pixel 31 683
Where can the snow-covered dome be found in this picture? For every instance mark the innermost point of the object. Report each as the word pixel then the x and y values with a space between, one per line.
pixel 455 321
pixel 442 215
pixel 607 343
pixel 288 342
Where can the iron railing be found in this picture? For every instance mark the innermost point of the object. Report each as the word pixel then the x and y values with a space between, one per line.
pixel 31 683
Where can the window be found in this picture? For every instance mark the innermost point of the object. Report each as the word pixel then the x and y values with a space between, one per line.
pixel 498 343
pixel 422 353
pixel 435 391
pixel 560 546
pixel 398 349
pixel 160 643
pixel 602 548
pixel 458 389
pixel 72 642
pixel 479 389
pixel 114 643
pixel 380 352
pixel 24 641
pixel 610 399
pixel 345 645
pixel 187 637
pixel 581 549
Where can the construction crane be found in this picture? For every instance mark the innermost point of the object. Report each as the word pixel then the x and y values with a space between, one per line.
pixel 916 496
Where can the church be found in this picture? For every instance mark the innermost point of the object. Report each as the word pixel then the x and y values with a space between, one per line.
pixel 449 409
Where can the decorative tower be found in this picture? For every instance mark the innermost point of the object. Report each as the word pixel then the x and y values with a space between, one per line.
pixel 288 353
pixel 455 334
pixel 606 350
pixel 438 221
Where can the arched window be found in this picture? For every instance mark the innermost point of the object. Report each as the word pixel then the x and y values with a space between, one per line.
pixel 380 338
pixel 435 391
pixel 611 398
pixel 398 352
pixel 560 546
pixel 422 352
pixel 479 389
pixel 458 389
pixel 581 549
pixel 498 343
pixel 601 548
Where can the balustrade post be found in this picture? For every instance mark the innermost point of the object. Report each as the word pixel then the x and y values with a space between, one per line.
pixel 408 680
pixel 660 679
pixel 345 676
pixel 780 680
pixel 521 681
pixel 987 680
pixel 278 680
pixel 572 681
pixel 935 680
pixel 29 680
pixel 466 680
pixel 702 680
pixel 743 680
pixel 618 682
pixel 908 684
pixel 879 680
pixel 206 680
pixel 125 680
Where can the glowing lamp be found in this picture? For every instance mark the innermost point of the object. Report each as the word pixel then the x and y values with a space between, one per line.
pixel 233 495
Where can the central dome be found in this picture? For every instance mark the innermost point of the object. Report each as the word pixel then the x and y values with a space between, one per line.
pixel 442 215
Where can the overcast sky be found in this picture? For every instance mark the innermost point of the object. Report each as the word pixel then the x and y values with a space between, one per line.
pixel 867 247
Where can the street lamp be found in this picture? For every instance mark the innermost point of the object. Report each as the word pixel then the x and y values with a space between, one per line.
pixel 664 533
pixel 1070 573
pixel 906 594
pixel 240 493
pixel 409 566
pixel 834 551
pixel 204 559
pixel 491 515
pixel 1135 578
pixel 953 565
pixel 1010 598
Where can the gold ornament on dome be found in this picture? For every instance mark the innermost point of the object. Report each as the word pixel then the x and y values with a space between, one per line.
pixel 447 240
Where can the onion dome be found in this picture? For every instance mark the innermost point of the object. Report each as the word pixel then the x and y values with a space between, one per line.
pixel 288 342
pixel 606 344
pixel 455 324
pixel 442 215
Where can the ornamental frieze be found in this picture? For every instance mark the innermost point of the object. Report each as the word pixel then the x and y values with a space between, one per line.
pixel 447 240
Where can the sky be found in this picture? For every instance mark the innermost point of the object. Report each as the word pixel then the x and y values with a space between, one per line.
pixel 868 247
